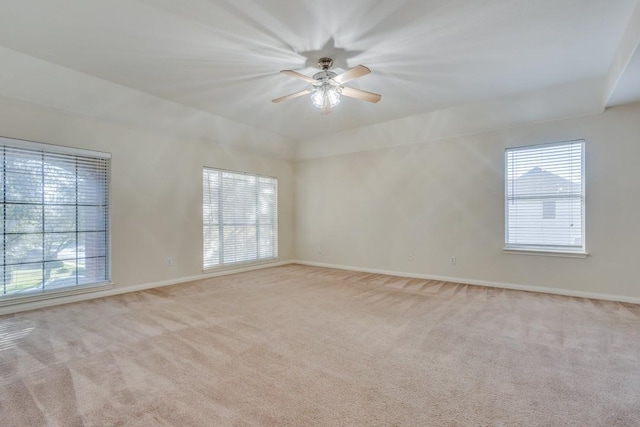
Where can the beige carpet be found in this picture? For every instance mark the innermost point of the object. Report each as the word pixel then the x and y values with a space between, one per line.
pixel 300 346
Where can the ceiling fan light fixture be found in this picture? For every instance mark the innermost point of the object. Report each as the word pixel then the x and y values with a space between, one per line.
pixel 328 87
pixel 326 96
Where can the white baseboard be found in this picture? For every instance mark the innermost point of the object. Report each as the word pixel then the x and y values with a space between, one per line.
pixel 528 288
pixel 26 306
pixel 116 291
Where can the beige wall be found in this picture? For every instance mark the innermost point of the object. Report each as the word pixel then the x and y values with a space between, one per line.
pixel 156 188
pixel 370 210
pixel 436 199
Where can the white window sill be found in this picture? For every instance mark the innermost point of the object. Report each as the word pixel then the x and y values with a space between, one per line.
pixel 18 298
pixel 241 265
pixel 545 252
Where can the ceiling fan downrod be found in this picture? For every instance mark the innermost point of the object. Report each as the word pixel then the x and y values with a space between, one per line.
pixel 325 63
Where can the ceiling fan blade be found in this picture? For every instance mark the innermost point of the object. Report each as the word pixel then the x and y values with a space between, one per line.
pixel 299 76
pixel 291 96
pixel 361 94
pixel 351 74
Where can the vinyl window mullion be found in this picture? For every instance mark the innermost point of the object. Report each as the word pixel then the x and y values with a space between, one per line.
pixel 44 239
pixel 220 220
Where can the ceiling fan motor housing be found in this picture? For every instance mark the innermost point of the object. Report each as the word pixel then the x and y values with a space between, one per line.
pixel 323 77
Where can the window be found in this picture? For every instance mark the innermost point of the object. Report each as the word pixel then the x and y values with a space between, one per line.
pixel 53 218
pixel 544 197
pixel 240 218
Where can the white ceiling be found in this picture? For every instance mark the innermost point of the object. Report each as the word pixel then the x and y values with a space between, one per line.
pixel 223 57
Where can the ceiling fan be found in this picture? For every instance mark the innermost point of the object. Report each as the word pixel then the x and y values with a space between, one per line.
pixel 327 86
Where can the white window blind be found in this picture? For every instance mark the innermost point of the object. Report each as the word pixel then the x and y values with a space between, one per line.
pixel 53 218
pixel 240 218
pixel 544 197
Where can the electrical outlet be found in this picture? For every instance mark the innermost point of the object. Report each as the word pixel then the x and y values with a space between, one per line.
pixel 410 257
pixel 453 260
pixel 169 261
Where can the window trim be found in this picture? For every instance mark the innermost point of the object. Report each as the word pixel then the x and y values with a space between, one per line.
pixel 43 295
pixel 239 264
pixel 546 250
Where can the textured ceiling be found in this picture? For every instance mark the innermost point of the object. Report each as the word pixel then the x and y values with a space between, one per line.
pixel 223 57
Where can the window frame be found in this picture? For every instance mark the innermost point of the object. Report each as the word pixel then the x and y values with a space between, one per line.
pixel 258 260
pixel 542 249
pixel 56 150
